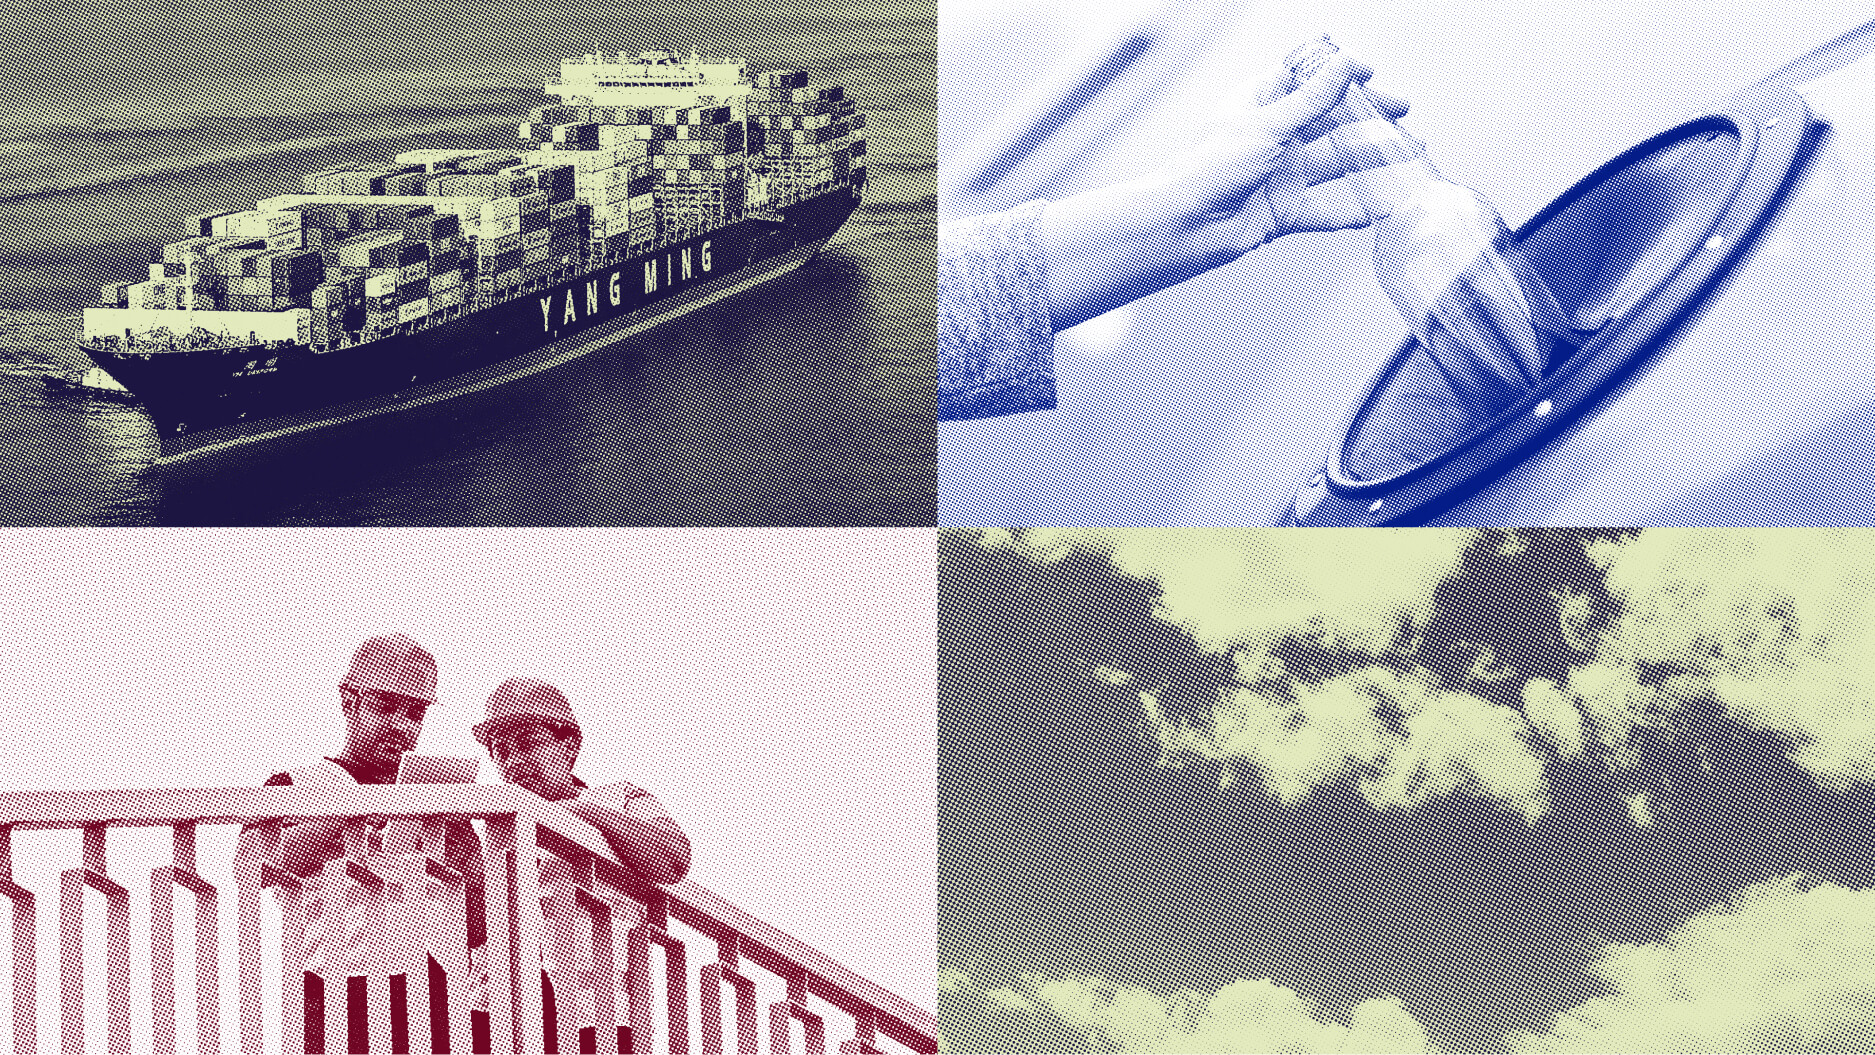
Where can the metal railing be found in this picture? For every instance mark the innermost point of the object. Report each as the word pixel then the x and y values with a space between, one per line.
pixel 627 917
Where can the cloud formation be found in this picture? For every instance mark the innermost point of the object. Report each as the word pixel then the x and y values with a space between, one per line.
pixel 1250 594
pixel 1774 626
pixel 1780 967
pixel 1774 629
pixel 1245 1016
pixel 1403 741
pixel 1242 589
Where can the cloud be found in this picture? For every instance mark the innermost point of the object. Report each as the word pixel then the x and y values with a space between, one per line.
pixel 1251 594
pixel 1780 967
pixel 1778 627
pixel 1771 629
pixel 1245 1016
pixel 1241 589
pixel 1402 740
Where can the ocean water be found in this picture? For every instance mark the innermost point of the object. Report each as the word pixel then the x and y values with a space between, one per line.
pixel 804 401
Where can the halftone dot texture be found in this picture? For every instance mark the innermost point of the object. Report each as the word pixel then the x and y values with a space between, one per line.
pixel 771 690
pixel 393 663
pixel 1216 401
pixel 802 401
pixel 1498 790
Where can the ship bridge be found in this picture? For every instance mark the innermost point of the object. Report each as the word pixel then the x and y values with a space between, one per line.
pixel 671 966
pixel 657 78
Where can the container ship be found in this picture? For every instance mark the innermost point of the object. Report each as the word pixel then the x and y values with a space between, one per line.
pixel 658 183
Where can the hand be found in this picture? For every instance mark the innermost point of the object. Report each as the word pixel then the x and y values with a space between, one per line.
pixel 1310 189
pixel 1278 166
pixel 1275 168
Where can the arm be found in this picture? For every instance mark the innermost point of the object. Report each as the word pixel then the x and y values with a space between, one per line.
pixel 996 343
pixel 305 846
pixel 1260 177
pixel 644 838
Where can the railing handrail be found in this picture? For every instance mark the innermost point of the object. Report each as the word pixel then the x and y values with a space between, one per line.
pixel 558 832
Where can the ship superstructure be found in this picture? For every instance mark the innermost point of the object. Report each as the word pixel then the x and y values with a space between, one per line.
pixel 662 167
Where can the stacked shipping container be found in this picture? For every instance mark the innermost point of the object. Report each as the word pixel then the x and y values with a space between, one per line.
pixel 371 246
pixel 802 137
pixel 613 174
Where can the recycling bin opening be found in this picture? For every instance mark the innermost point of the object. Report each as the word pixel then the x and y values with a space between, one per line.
pixel 1628 252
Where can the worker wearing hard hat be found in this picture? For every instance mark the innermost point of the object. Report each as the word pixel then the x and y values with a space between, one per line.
pixel 385 694
pixel 534 738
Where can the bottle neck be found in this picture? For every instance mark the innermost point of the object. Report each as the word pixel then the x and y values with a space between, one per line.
pixel 1383 190
pixel 1304 61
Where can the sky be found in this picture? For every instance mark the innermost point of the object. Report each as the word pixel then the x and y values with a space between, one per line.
pixel 772 688
pixel 1422 790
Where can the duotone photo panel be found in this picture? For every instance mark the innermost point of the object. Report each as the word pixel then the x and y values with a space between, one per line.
pixel 1294 263
pixel 1495 790
pixel 595 790
pixel 468 265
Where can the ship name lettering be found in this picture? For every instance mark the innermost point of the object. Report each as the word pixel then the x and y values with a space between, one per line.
pixel 570 316
pixel 706 256
pixel 592 298
pixel 686 261
pixel 546 314
pixel 651 276
pixel 618 294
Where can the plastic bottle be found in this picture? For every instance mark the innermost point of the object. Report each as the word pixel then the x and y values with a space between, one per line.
pixel 1444 256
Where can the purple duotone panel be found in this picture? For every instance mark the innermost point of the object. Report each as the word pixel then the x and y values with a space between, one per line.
pixel 1651 338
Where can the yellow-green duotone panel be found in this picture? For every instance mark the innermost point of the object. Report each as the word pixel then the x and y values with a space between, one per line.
pixel 1534 790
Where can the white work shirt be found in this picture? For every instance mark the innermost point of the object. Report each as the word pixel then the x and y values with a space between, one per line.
pixel 344 927
pixel 567 937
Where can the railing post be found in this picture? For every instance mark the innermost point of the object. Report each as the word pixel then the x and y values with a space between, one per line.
pixel 163 882
pixel 795 1006
pixel 676 981
pixel 710 995
pixel 25 951
pixel 513 953
pixel 865 1034
pixel 72 884
pixel 604 973
pixel 250 877
pixel 559 906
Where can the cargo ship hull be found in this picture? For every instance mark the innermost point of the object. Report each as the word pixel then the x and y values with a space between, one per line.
pixel 205 399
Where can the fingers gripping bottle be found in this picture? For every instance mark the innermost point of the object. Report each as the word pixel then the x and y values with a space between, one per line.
pixel 1444 256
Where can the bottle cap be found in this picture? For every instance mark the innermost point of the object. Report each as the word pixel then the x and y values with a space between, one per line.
pixel 1310 57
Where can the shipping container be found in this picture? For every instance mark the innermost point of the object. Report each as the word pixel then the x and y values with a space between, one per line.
pixel 201 224
pixel 758 108
pixel 495 246
pixel 409 183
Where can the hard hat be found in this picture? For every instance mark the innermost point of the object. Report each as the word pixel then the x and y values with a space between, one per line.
pixel 518 701
pixel 393 663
